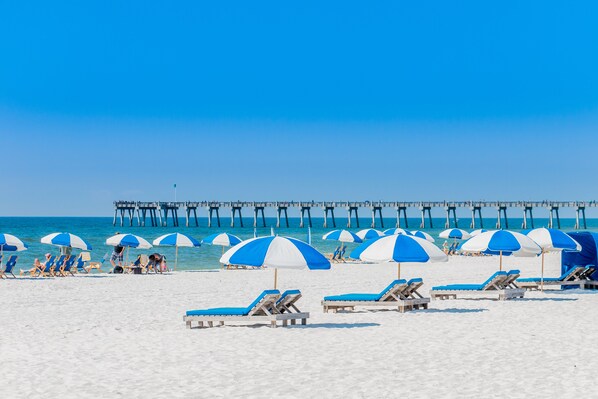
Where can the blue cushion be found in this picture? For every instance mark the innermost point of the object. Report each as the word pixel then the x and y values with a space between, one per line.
pixel 353 297
pixel 536 279
pixel 231 311
pixel 455 287
pixel 218 312
pixel 415 281
pixel 514 271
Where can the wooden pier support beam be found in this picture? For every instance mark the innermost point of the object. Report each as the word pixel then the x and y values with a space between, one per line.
pixel 376 209
pixel 279 211
pixel 553 212
pixel 330 209
pixel 403 210
pixel 352 210
pixel 580 209
pixel 450 209
pixel 528 212
pixel 424 209
pixel 256 212
pixel 233 211
pixel 305 209
pixel 476 209
pixel 211 210
pixel 502 209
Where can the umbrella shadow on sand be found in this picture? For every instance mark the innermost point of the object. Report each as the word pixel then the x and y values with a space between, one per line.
pixel 451 310
pixel 336 325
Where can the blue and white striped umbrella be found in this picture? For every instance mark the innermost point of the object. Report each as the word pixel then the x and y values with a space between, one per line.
pixel 176 240
pixel 128 240
pixel 552 240
pixel 423 234
pixel 276 252
pixel 457 234
pixel 8 242
pixel 222 239
pixel 397 230
pixel 342 236
pixel 502 242
pixel 66 240
pixel 368 234
pixel 399 248
pixel 477 232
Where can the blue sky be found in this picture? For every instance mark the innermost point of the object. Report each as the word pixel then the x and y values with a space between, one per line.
pixel 235 100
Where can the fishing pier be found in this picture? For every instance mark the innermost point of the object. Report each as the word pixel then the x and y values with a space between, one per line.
pixel 159 213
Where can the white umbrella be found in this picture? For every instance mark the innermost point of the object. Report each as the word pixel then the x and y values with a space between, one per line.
pixel 66 240
pixel 552 240
pixel 176 240
pixel 502 242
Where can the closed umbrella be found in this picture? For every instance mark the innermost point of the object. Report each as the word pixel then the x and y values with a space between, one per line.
pixel 552 240
pixel 176 240
pixel 277 252
pixel 399 248
pixel 502 242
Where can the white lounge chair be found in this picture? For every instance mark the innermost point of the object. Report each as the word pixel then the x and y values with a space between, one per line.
pixel 494 286
pixel 262 310
pixel 392 296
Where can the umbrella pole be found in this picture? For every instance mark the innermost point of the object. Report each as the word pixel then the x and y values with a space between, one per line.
pixel 500 261
pixel 275 276
pixel 542 274
pixel 399 270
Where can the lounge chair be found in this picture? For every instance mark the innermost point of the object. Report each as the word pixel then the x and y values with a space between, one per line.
pixel 287 304
pixel 80 266
pixel 46 269
pixel 587 272
pixel 570 277
pixel 491 287
pixel 512 276
pixel 86 257
pixel 263 309
pixel 391 296
pixel 9 267
pixel 58 265
pixel 419 301
pixel 68 266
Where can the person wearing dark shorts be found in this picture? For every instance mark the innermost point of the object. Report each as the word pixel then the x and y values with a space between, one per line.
pixel 117 255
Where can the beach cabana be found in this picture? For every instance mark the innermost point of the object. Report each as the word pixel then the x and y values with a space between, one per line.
pixel 588 256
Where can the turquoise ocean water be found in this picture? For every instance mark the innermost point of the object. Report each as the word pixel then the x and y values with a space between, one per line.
pixel 96 229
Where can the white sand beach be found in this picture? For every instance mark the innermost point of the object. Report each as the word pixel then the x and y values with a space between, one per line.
pixel 107 336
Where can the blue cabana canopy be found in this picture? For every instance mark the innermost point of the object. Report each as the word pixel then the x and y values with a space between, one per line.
pixel 588 254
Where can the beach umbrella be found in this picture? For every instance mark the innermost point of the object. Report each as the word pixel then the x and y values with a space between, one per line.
pixel 457 234
pixel 398 230
pixel 423 234
pixel 552 240
pixel 8 242
pixel 128 241
pixel 502 242
pixel 66 240
pixel 176 240
pixel 222 239
pixel 368 234
pixel 399 248
pixel 277 252
pixel 342 236
pixel 477 232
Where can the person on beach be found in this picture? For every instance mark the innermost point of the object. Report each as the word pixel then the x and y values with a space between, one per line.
pixel 157 262
pixel 117 255
pixel 37 266
pixel 445 247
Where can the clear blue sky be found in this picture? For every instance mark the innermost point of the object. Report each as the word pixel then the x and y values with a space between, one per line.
pixel 295 100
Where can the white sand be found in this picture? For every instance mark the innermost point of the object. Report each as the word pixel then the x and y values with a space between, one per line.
pixel 123 336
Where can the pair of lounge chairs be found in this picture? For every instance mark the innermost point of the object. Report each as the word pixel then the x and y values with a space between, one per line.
pixel 500 284
pixel 269 307
pixel 575 276
pixel 401 294
pixel 9 266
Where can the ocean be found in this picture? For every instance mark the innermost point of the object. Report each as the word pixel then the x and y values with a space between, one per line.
pixel 96 229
